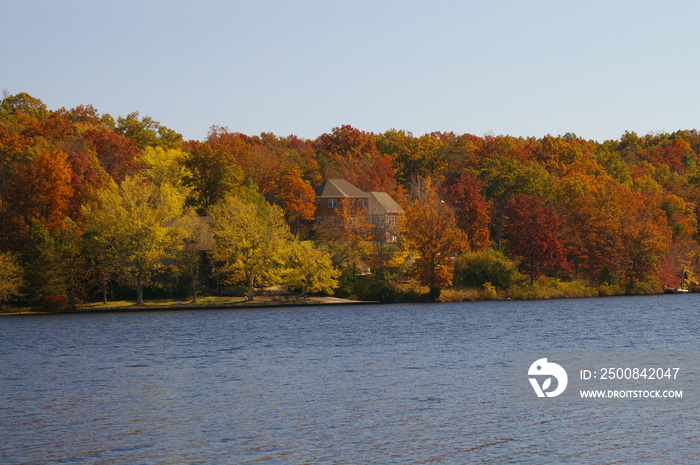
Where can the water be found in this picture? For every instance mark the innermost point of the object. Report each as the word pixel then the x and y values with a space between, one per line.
pixel 409 384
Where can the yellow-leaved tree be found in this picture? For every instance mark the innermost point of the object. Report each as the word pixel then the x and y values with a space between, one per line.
pixel 10 277
pixel 194 238
pixel 127 225
pixel 251 240
pixel 311 270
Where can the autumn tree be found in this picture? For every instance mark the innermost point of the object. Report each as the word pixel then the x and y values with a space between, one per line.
pixel 193 238
pixel 463 193
pixel 37 191
pixel 646 237
pixel 310 270
pixel 11 280
pixel 534 236
pixel 251 242
pixel 116 153
pixel 592 210
pixel 346 236
pixel 295 196
pixel 130 222
pixel 430 229
pixel 87 176
pixel 503 178
pixel 352 154
pixel 214 174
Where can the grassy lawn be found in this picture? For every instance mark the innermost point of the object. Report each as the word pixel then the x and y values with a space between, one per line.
pixel 155 304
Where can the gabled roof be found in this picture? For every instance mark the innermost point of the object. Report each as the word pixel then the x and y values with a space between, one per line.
pixel 339 188
pixel 381 203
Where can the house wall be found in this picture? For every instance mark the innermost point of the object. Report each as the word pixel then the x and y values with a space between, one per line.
pixel 324 211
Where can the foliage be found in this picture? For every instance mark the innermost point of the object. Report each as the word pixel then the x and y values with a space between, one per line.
pixel 622 213
pixel 352 154
pixel 193 238
pixel 251 242
pixel 464 195
pixel 38 191
pixel 295 196
pixel 11 280
pixel 53 303
pixel 430 229
pixel 474 269
pixel 214 174
pixel 504 178
pixel 310 270
pixel 534 236
pixel 147 132
pixel 23 103
pixel 43 263
pixel 129 224
pixel 347 236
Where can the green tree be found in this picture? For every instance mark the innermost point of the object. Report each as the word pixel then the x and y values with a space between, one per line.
pixel 503 178
pixel 43 264
pixel 147 132
pixel 130 222
pixel 251 242
pixel 24 103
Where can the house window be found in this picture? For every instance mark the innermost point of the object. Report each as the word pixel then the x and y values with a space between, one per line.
pixel 361 203
pixel 318 203
pixel 332 203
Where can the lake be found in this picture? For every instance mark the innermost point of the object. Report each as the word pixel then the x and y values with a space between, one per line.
pixel 404 384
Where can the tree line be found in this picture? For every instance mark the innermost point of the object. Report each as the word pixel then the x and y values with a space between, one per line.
pixel 90 204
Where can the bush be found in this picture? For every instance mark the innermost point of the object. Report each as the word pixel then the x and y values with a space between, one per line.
pixel 53 303
pixel 490 292
pixel 475 269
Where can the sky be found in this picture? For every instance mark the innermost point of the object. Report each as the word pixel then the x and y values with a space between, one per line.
pixel 523 68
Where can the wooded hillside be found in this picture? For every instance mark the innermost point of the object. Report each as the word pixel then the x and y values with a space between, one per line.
pixel 87 200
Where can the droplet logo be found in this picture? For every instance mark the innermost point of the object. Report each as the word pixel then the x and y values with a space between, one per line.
pixel 545 371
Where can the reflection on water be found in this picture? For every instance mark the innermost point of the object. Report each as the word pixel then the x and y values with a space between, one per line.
pixel 377 384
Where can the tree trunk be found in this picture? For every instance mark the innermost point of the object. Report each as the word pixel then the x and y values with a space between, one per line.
pixel 104 287
pixel 250 294
pixel 434 293
pixel 193 283
pixel 499 225
pixel 139 287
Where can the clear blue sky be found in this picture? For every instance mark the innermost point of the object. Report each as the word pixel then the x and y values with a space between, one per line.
pixel 524 68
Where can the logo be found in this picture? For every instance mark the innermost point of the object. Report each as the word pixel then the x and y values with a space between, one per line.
pixel 545 371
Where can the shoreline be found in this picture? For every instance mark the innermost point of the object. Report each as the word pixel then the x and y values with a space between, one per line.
pixel 97 308
pixel 261 304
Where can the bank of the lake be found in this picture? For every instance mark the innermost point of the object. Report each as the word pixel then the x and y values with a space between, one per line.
pixel 543 289
pixel 205 303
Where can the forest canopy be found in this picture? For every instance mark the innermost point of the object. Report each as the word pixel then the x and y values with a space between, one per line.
pixel 90 203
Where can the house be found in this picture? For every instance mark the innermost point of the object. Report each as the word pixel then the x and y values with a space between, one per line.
pixel 381 210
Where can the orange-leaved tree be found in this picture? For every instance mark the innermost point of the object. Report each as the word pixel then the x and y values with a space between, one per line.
pixel 430 230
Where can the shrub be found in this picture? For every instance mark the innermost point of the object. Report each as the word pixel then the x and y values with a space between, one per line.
pixel 490 292
pixel 53 303
pixel 475 269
